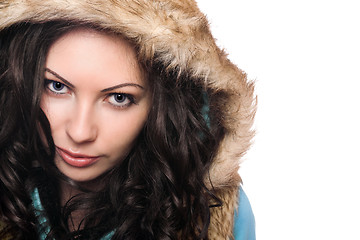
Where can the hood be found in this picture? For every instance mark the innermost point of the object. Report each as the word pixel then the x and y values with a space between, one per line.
pixel 177 34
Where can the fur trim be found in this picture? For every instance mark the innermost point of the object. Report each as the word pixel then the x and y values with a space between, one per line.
pixel 222 218
pixel 176 33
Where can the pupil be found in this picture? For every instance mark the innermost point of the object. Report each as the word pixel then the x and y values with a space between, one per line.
pixel 119 97
pixel 58 85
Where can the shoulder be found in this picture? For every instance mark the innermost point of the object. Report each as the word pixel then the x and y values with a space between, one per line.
pixel 244 221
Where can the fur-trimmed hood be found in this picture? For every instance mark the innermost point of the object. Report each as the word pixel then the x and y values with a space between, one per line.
pixel 176 33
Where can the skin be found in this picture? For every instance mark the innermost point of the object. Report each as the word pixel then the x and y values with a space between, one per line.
pixel 96 99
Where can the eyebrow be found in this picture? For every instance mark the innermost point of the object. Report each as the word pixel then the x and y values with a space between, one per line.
pixel 104 90
pixel 59 77
pixel 122 85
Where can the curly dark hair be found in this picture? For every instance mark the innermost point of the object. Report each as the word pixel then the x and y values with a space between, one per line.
pixel 157 192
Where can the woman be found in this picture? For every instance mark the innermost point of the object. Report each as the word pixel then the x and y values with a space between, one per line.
pixel 119 120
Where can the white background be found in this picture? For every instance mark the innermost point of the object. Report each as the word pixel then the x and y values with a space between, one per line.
pixel 302 174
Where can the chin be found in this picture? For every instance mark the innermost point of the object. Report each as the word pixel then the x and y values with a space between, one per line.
pixel 80 174
pixel 82 177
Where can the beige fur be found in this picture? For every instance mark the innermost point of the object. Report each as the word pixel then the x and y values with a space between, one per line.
pixel 177 33
pixel 222 218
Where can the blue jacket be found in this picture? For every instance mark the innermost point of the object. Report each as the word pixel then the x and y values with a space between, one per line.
pixel 244 222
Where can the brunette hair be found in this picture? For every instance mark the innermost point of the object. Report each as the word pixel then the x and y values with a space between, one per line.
pixel 157 192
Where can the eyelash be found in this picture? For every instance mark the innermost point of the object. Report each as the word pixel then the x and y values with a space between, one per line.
pixel 49 84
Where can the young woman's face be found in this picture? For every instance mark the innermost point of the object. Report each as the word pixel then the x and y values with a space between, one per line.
pixel 96 99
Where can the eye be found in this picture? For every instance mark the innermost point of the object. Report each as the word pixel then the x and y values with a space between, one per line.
pixel 120 99
pixel 56 87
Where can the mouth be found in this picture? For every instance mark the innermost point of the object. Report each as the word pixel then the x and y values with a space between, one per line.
pixel 76 159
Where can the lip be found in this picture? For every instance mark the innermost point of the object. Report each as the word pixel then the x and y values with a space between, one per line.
pixel 77 159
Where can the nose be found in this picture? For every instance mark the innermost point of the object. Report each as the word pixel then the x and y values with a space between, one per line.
pixel 81 126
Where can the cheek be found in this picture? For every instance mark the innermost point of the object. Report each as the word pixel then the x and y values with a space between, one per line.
pixel 123 132
pixel 54 111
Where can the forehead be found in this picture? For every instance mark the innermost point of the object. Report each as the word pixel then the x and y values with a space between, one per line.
pixel 89 50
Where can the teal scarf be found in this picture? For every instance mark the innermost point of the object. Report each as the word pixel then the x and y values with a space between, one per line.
pixel 43 222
